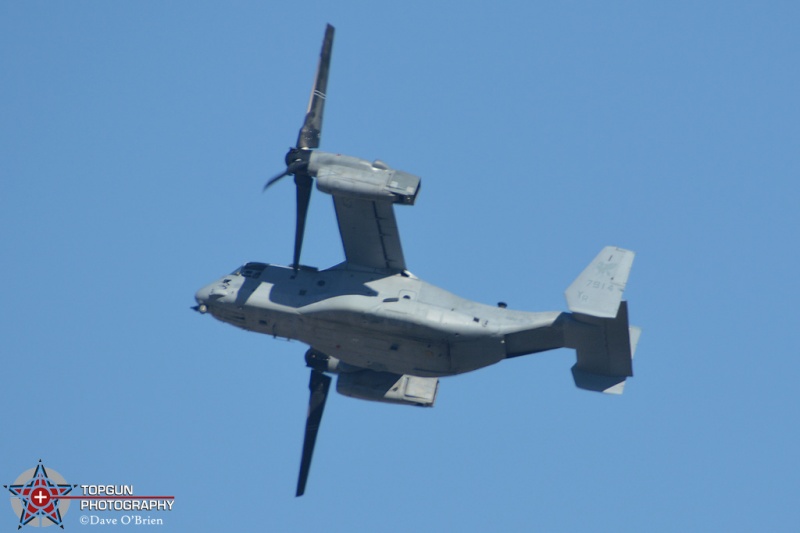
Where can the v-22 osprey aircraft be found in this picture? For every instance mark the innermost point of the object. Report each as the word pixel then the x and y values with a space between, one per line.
pixel 385 333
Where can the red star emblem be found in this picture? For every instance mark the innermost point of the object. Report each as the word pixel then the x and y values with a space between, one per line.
pixel 39 497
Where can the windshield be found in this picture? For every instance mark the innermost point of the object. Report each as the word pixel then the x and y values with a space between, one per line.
pixel 250 270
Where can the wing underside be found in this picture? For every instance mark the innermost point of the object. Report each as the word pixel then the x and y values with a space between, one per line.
pixel 369 233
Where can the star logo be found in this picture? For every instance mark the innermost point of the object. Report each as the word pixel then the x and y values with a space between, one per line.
pixel 607 268
pixel 37 494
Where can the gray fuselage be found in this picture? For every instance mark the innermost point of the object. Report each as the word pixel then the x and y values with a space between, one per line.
pixel 384 322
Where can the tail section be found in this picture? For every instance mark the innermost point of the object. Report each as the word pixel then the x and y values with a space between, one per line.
pixel 605 348
pixel 598 328
pixel 598 290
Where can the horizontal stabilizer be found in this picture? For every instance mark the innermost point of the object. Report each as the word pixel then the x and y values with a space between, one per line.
pixel 604 348
pixel 598 290
pixel 597 382
pixel 635 333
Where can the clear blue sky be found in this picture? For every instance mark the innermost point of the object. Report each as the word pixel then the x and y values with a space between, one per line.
pixel 135 138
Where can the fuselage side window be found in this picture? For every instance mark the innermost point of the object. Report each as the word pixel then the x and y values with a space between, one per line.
pixel 253 270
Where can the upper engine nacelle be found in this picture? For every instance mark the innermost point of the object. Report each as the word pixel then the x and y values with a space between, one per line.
pixel 344 175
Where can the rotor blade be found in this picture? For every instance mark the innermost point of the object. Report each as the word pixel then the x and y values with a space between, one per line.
pixel 318 385
pixel 312 126
pixel 275 179
pixel 303 182
pixel 299 163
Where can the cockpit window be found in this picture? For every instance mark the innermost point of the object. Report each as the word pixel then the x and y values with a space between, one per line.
pixel 252 270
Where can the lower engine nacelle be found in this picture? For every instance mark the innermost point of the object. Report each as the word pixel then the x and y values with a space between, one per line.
pixel 375 386
pixel 388 388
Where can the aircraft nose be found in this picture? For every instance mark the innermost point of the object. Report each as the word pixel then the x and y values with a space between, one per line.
pixel 202 297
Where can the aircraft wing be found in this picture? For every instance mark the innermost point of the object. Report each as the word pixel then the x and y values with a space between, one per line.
pixel 369 232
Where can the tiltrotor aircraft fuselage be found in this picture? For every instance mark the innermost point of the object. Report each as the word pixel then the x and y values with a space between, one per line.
pixel 386 334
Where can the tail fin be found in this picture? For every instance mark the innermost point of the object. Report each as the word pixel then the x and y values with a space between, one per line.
pixel 598 329
pixel 598 290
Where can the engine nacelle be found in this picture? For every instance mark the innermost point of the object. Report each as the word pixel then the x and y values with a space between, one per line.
pixel 344 175
pixel 325 363
pixel 388 388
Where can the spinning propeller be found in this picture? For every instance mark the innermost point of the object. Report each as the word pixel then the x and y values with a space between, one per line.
pixel 297 158
pixel 318 385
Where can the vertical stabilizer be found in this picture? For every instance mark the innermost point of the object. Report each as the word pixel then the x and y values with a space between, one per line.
pixel 598 327
pixel 598 290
